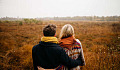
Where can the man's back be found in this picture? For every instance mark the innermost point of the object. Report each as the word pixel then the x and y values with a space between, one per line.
pixel 50 55
pixel 47 54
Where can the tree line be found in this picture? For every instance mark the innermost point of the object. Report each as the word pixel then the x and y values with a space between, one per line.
pixel 85 18
pixel 77 18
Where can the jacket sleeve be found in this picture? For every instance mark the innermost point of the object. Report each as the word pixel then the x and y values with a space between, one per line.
pixel 67 61
pixel 34 59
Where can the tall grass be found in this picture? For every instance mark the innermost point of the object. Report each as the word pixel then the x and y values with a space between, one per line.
pixel 100 41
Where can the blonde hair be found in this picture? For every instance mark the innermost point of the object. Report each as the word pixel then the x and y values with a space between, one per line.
pixel 66 31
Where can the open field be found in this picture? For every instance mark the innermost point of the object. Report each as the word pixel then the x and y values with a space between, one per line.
pixel 100 41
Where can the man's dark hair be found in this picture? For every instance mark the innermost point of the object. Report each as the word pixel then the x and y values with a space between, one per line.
pixel 49 30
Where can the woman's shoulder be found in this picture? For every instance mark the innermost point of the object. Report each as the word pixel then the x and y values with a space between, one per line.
pixel 78 41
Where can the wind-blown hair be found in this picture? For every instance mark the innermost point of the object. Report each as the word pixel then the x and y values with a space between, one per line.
pixel 66 31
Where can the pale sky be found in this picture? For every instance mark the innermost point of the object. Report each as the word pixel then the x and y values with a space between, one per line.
pixel 58 8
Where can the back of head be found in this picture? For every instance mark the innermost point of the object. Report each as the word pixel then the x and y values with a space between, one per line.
pixel 66 31
pixel 49 30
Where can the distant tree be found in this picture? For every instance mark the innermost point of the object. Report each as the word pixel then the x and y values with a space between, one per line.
pixel 6 21
pixel 26 20
pixel 0 21
pixel 102 18
pixel 37 22
pixel 20 23
pixel 40 22
pixel 34 20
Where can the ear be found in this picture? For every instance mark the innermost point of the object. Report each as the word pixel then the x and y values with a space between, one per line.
pixel 43 33
pixel 55 35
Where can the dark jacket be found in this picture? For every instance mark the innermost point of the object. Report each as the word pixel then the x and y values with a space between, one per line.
pixel 50 55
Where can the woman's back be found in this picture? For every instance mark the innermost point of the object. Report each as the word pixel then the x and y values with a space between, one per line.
pixel 71 45
pixel 73 48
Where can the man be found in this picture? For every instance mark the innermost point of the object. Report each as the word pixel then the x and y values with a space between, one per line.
pixel 48 54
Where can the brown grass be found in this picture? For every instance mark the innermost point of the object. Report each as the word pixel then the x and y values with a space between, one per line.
pixel 100 41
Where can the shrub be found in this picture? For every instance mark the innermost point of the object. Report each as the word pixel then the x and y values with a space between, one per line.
pixel 20 23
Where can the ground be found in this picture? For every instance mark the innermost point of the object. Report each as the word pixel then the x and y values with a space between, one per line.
pixel 100 41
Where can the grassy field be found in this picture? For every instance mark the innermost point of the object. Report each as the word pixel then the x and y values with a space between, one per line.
pixel 100 41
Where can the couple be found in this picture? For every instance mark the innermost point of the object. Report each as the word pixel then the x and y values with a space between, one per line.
pixel 49 54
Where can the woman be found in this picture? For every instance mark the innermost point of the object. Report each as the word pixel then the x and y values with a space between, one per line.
pixel 71 45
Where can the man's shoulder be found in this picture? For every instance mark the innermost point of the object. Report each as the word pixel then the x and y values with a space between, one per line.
pixel 51 48
pixel 47 44
pixel 35 47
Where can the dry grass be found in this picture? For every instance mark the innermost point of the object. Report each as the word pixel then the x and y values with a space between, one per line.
pixel 100 41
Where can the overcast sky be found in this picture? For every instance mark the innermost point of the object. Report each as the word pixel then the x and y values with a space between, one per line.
pixel 58 8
